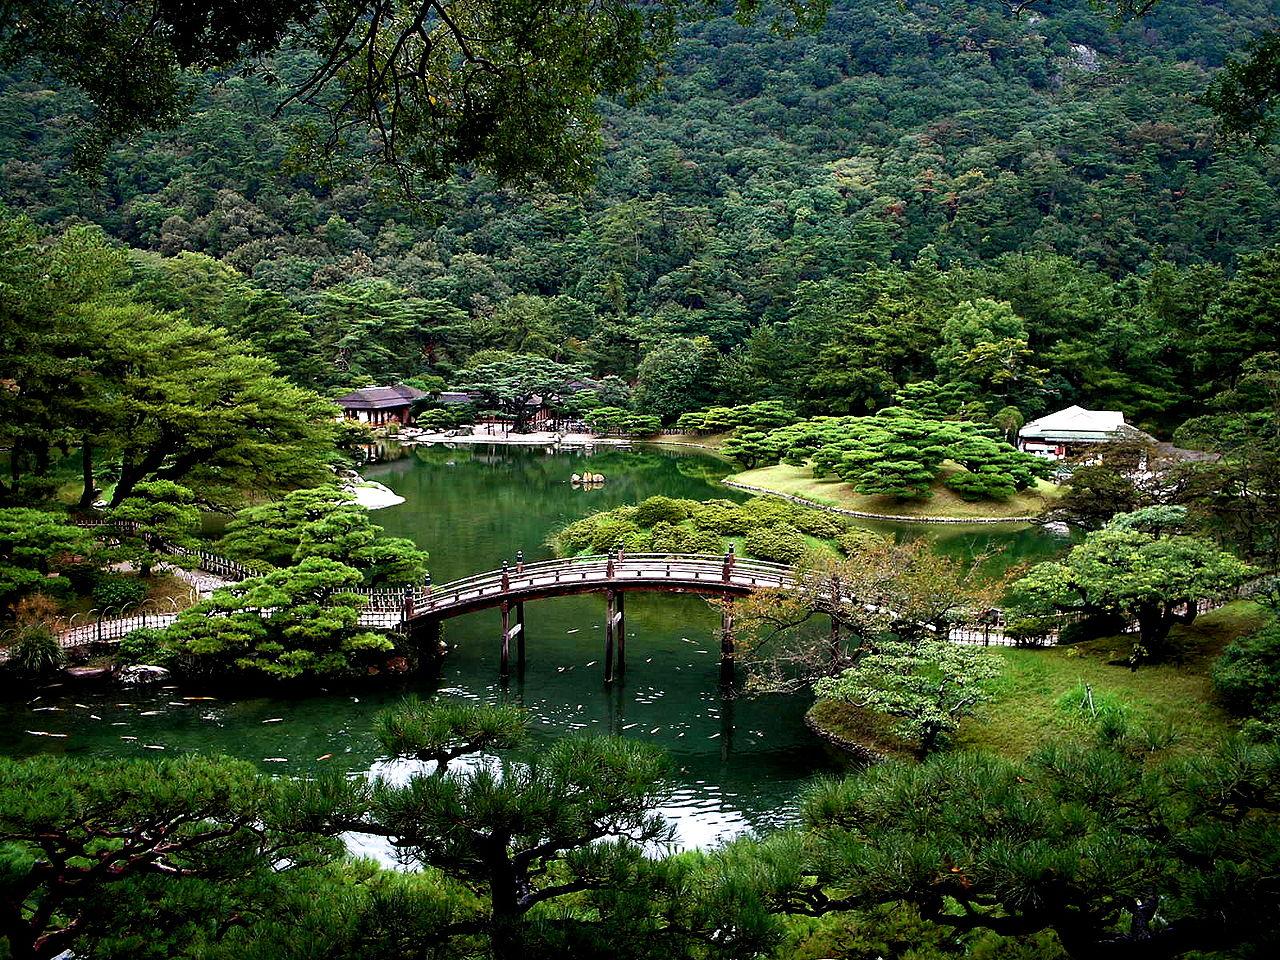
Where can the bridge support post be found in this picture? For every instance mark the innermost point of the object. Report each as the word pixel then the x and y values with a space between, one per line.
pixel 621 617
pixel 520 637
pixel 610 598
pixel 726 642
pixel 504 664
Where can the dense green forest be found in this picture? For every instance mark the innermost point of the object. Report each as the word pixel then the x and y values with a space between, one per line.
pixel 854 250
pixel 814 206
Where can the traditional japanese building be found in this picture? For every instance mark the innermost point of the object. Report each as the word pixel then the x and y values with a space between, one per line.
pixel 380 405
pixel 1068 432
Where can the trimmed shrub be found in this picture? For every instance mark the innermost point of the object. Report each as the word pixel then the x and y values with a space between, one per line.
pixel 704 541
pixel 722 516
pixel 782 543
pixel 855 539
pixel 657 510
pixel 819 523
pixel 609 532
pixel 117 590
pixel 1247 675
pixel 769 511
pixel 668 538
pixel 982 485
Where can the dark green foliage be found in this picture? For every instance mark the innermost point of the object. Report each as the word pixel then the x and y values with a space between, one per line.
pixel 395 78
pixel 615 421
pixel 897 453
pixel 573 817
pixel 117 590
pixel 1075 840
pixel 818 523
pixel 1123 573
pixel 143 646
pixel 985 483
pixel 762 415
pixel 441 731
pixel 35 544
pixel 601 533
pixel 721 516
pixel 656 509
pixel 1247 675
pixel 774 528
pixel 322 522
pixel 160 852
pixel 34 652
pixel 675 377
pixel 1245 94
pixel 509 383
pixel 156 517
pixel 301 622
pixel 781 544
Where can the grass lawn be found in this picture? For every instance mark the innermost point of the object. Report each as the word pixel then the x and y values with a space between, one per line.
pixel 1039 693
pixel 845 722
pixel 800 481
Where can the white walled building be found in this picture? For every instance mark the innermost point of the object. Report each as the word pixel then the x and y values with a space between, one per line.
pixel 1062 434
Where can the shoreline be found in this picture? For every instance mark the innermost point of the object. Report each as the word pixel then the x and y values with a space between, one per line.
pixel 540 439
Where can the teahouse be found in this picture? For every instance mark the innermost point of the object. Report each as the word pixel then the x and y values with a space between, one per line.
pixel 1067 432
pixel 380 405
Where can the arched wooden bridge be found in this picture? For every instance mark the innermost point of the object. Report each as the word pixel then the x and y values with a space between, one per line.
pixel 614 575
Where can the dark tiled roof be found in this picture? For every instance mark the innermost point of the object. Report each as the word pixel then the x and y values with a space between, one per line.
pixel 380 398
pixel 454 396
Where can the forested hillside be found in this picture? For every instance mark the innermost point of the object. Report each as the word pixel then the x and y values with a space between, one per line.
pixel 815 206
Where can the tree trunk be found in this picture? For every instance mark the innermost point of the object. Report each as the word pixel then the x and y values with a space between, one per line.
pixel 507 937
pixel 88 494
pixel 506 933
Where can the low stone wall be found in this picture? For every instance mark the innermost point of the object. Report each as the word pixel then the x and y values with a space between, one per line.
pixel 855 751
pixel 897 518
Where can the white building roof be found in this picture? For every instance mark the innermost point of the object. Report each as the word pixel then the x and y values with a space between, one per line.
pixel 1075 423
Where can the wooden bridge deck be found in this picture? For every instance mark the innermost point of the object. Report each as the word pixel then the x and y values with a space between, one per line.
pixel 708 574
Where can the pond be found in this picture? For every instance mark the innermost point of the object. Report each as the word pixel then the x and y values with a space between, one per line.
pixel 739 761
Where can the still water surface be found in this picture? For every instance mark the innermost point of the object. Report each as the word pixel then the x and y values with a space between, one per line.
pixel 739 761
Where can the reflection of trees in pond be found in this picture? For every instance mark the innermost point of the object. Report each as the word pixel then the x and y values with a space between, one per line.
pixel 382 451
pixel 439 455
pixel 701 468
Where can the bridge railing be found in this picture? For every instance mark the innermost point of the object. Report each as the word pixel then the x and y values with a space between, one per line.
pixel 604 568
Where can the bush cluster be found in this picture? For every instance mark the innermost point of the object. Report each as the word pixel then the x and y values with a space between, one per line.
pixel 781 544
pixel 774 529
pixel 117 590
pixel 1247 676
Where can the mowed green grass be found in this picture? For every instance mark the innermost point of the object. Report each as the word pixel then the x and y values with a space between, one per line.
pixel 1038 696
pixel 800 481
pixel 1174 698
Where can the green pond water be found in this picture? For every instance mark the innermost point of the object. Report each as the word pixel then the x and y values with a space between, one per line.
pixel 738 761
